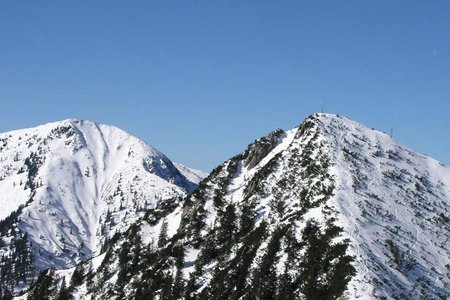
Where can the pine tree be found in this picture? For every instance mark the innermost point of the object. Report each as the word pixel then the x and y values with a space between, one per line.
pixel 137 249
pixel 90 276
pixel 325 269
pixel 124 267
pixel 64 293
pixel 265 277
pixel 210 248
pixel 178 285
pixel 192 285
pixel 246 221
pixel 163 236
pixel 166 291
pixel 77 276
pixel 286 289
pixel 43 287
pixel 228 228
pixel 222 281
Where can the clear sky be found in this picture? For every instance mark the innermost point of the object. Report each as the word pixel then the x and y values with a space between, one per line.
pixel 200 80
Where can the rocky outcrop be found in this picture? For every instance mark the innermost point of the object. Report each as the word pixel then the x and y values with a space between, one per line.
pixel 260 148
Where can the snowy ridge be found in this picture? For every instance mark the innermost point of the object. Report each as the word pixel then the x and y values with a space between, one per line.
pixel 394 206
pixel 80 182
pixel 328 210
pixel 192 175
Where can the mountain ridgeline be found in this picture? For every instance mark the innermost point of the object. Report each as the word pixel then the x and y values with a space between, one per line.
pixel 328 210
pixel 68 187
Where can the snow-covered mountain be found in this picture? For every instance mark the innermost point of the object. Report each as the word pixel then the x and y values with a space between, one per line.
pixel 192 175
pixel 67 187
pixel 328 210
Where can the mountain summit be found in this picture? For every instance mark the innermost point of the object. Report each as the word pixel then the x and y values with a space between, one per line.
pixel 328 210
pixel 68 187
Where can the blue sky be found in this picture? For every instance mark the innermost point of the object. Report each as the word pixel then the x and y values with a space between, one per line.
pixel 200 80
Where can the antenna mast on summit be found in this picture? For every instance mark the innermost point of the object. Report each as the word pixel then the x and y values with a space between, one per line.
pixel 322 106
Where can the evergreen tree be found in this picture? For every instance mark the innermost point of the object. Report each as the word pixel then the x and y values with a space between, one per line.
pixel 178 285
pixel 137 249
pixel 89 276
pixel 166 291
pixel 43 288
pixel 222 282
pixel 325 269
pixel 163 237
pixel 124 266
pixel 246 221
pixel 247 255
pixel 229 280
pixel 77 276
pixel 228 228
pixel 192 285
pixel 286 289
pixel 64 293
pixel 210 249
pixel 265 277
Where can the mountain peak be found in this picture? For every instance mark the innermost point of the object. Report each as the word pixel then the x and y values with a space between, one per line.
pixel 328 210
pixel 69 186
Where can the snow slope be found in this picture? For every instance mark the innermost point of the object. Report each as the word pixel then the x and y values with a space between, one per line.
pixel 394 205
pixel 192 175
pixel 252 226
pixel 80 182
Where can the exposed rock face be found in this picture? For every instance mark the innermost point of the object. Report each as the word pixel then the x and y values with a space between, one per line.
pixel 260 148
